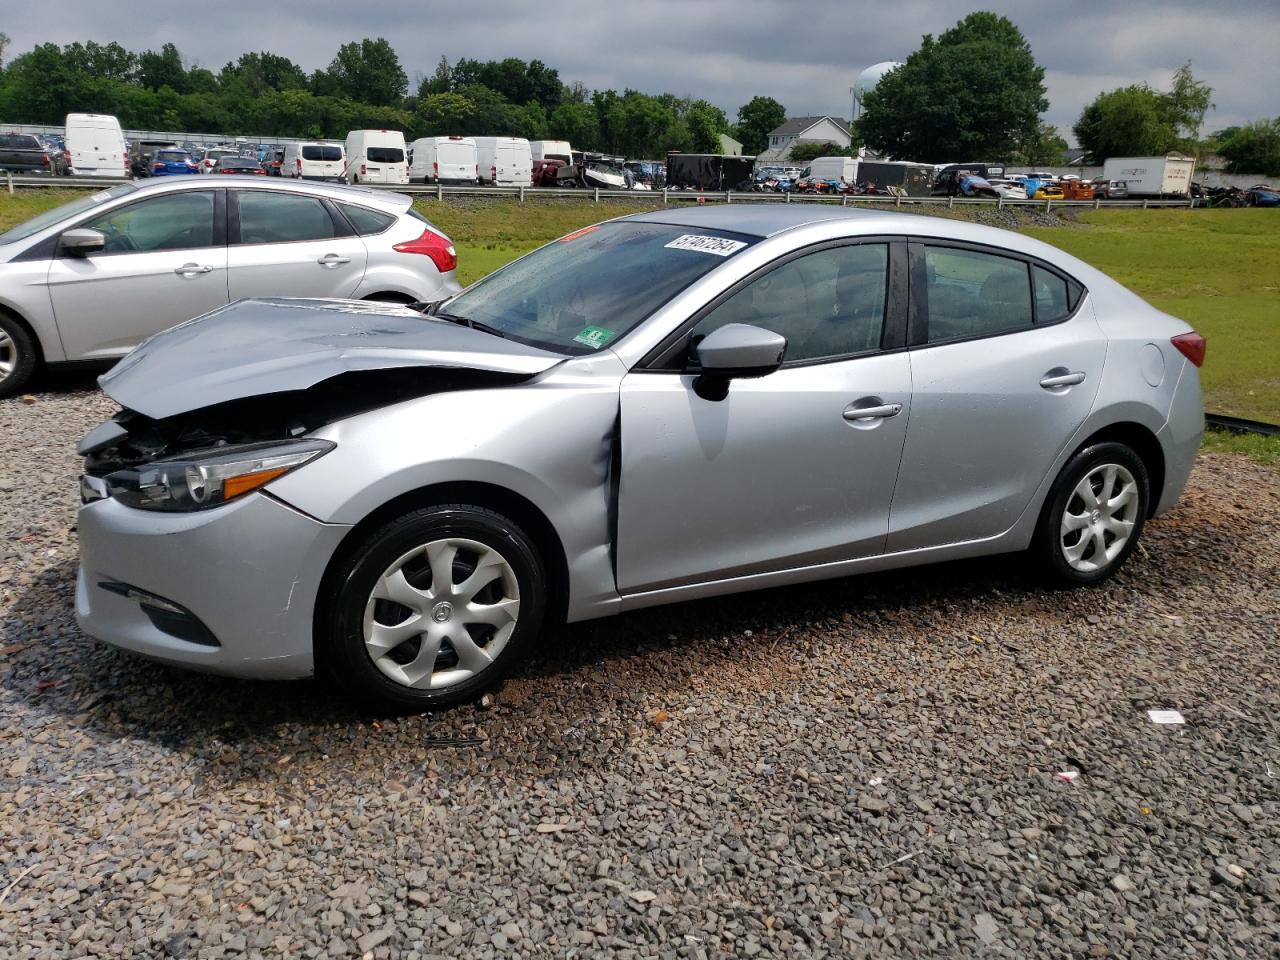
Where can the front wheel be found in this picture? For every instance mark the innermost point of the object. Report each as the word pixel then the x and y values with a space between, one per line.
pixel 17 356
pixel 1093 516
pixel 433 609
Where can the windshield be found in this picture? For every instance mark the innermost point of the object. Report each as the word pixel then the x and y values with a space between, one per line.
pixel 64 212
pixel 384 154
pixel 591 287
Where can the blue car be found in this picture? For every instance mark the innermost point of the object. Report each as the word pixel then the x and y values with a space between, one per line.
pixel 169 163
pixel 1262 196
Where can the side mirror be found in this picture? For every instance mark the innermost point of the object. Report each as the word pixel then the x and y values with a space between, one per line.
pixel 82 241
pixel 736 351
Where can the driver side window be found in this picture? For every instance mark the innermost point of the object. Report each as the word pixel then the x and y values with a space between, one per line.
pixel 177 221
pixel 827 304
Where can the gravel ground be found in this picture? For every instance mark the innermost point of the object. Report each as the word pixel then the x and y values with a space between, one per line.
pixel 861 767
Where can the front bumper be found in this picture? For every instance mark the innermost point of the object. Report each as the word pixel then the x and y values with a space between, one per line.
pixel 248 571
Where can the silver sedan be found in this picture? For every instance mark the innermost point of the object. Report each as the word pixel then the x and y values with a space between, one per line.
pixel 653 409
pixel 93 278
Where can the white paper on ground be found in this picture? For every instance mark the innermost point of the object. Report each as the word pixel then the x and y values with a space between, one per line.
pixel 1165 716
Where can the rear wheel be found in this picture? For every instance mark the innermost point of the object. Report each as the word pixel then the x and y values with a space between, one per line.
pixel 17 355
pixel 1094 515
pixel 433 609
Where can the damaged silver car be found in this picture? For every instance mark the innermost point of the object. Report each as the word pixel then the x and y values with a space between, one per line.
pixel 668 406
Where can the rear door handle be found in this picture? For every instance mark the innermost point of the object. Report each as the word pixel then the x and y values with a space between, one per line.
pixel 853 414
pixel 332 260
pixel 1062 380
pixel 192 269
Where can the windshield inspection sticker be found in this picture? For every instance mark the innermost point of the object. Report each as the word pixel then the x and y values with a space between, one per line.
pixel 594 337
pixel 717 246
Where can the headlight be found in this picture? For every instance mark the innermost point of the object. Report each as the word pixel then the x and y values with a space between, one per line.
pixel 211 477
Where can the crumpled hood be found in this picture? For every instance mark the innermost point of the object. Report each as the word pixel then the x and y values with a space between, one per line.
pixel 255 347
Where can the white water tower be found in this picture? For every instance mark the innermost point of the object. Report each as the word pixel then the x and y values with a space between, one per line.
pixel 867 81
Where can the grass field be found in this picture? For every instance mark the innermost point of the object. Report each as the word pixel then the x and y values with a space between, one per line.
pixel 1217 269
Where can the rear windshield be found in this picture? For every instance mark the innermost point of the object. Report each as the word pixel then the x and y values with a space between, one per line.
pixel 64 212
pixel 171 156
pixel 240 163
pixel 589 288
pixel 318 152
pixel 17 141
pixel 384 154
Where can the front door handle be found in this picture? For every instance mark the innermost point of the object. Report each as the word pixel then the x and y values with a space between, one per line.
pixel 1052 380
pixel 192 269
pixel 854 414
pixel 332 260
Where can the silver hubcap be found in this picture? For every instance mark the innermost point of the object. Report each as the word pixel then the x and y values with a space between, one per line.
pixel 441 613
pixel 1099 517
pixel 8 355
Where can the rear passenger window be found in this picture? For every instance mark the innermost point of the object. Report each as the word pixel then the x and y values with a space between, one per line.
pixel 1052 302
pixel 282 218
pixel 975 294
pixel 366 221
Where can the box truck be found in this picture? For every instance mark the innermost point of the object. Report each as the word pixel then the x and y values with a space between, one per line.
pixel 914 179
pixel 709 171
pixel 1168 176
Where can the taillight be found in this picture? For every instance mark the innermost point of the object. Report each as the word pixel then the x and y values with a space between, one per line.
pixel 438 248
pixel 1190 345
pixel 435 168
pixel 45 160
pixel 299 164
pixel 362 170
pixel 493 174
pixel 157 166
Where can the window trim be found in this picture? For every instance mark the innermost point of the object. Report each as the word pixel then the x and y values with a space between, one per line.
pixel 219 225
pixel 917 319
pixel 669 356
pixel 341 228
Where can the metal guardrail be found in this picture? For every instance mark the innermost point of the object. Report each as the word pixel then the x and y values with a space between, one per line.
pixel 665 196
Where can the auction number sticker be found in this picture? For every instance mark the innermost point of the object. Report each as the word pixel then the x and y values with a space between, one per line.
pixel 594 337
pixel 716 246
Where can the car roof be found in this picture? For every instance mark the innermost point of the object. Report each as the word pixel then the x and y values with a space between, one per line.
pixel 334 191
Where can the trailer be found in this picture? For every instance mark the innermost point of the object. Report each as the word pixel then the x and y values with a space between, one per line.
pixel 1168 176
pixel 709 171
pixel 915 179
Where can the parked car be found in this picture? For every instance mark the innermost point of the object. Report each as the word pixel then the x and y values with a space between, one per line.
pixel 238 165
pixel 317 160
pixel 141 153
pixel 376 156
pixel 505 161
pixel 1110 190
pixel 1077 189
pixel 172 163
pixel 91 279
pixel 24 153
pixel 443 160
pixel 675 405
pixel 1262 196
pixel 95 145
pixel 210 158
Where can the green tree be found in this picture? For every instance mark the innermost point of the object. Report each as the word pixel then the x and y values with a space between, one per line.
pixel 704 123
pixel 1254 148
pixel 756 119
pixel 368 72
pixel 1044 149
pixel 575 122
pixel 259 72
pixel 162 69
pixel 1187 102
pixel 1133 121
pixel 975 92
pixel 805 152
pixel 443 114
pixel 439 82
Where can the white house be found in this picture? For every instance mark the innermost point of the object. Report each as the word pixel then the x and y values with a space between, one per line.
pixel 811 129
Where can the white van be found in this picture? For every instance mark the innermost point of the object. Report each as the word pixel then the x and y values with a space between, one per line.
pixel 834 168
pixel 376 156
pixel 96 145
pixel 551 150
pixel 504 161
pixel 313 160
pixel 442 160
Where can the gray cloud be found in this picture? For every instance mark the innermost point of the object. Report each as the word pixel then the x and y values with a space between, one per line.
pixel 804 54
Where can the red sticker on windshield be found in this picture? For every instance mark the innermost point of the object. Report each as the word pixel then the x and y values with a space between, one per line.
pixel 579 233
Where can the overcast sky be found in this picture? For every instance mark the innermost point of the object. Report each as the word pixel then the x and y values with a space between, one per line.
pixel 724 50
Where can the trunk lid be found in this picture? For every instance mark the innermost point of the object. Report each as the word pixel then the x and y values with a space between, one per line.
pixel 256 347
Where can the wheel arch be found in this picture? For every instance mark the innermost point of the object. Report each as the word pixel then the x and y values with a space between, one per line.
pixel 491 496
pixel 13 314
pixel 1141 441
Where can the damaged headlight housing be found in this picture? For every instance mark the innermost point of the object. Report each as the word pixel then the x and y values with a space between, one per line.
pixel 209 478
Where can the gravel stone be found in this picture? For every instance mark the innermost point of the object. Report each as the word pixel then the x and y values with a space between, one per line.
pixel 150 812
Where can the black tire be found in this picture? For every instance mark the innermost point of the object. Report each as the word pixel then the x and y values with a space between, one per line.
pixel 18 347
pixel 340 646
pixel 1047 546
